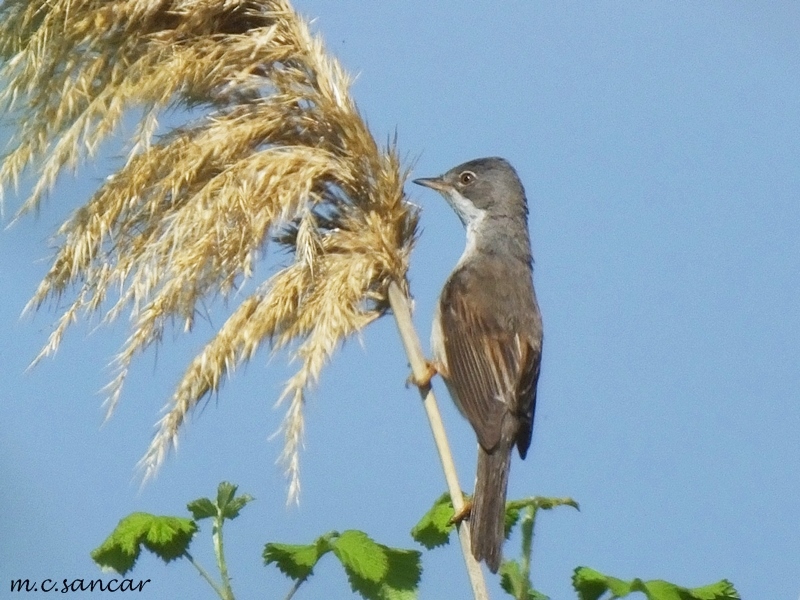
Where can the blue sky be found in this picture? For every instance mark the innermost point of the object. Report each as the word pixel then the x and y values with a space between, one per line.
pixel 658 144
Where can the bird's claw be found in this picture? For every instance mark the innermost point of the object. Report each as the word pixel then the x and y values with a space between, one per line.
pixel 425 381
pixel 461 514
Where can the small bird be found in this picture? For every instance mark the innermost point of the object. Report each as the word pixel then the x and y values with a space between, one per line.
pixel 487 333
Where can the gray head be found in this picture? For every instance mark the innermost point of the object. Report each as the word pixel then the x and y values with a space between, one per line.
pixel 488 197
pixel 484 187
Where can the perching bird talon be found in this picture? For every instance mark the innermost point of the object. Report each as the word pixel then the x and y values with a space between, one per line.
pixel 425 381
pixel 461 514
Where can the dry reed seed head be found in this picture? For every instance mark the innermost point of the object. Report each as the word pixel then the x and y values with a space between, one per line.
pixel 77 84
pixel 281 152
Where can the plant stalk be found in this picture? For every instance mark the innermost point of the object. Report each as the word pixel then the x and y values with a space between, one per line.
pixel 294 589
pixel 205 575
pixel 221 564
pixel 528 522
pixel 401 307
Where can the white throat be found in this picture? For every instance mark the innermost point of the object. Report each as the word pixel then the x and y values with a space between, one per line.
pixel 472 218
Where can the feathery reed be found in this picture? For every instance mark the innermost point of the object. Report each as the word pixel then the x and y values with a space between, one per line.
pixel 279 153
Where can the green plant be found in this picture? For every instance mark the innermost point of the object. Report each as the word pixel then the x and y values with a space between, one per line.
pixel 375 571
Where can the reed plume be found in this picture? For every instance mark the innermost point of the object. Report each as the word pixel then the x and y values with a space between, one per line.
pixel 273 154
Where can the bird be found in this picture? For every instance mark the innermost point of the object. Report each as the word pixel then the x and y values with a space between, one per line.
pixel 486 338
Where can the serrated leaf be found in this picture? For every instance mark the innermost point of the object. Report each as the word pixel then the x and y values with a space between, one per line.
pixel 375 571
pixel 400 582
pixel 166 537
pixel 591 585
pixel 228 503
pixel 549 503
pixel 202 508
pixel 233 508
pixel 225 493
pixel 511 579
pixel 360 554
pixel 721 590
pixel 662 590
pixel 434 528
pixel 514 508
pixel 514 583
pixel 296 561
pixel 511 518
pixel 403 575
pixel 117 553
pixel 542 502
pixel 169 537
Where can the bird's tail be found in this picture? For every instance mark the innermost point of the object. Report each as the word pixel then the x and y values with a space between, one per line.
pixel 487 517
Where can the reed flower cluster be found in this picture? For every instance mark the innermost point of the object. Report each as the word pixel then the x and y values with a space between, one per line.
pixel 273 154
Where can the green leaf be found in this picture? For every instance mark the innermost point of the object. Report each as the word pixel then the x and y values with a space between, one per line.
pixel 228 504
pixel 360 555
pixel 401 575
pixel 511 579
pixel 297 561
pixel 166 537
pixel 511 518
pixel 169 537
pixel 202 508
pixel 514 508
pixel 591 585
pixel 232 509
pixel 434 528
pixel 225 493
pixel 721 590
pixel 513 582
pixel 541 503
pixel 375 571
pixel 549 503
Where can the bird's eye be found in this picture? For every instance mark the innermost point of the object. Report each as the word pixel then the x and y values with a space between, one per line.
pixel 466 177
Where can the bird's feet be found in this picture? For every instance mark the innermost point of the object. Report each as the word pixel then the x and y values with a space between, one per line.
pixel 461 514
pixel 431 369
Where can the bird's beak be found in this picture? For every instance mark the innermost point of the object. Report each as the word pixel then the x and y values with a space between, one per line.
pixel 435 183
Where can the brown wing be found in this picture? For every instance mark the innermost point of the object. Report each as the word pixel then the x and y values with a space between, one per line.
pixel 526 393
pixel 491 369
